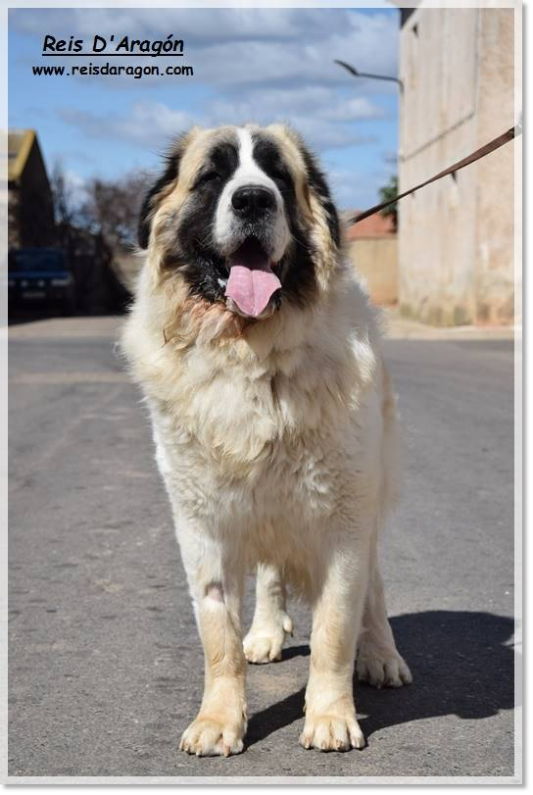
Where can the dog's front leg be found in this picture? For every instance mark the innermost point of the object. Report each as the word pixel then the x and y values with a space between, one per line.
pixel 330 719
pixel 271 623
pixel 216 579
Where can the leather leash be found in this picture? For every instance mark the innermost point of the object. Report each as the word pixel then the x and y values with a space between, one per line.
pixel 483 151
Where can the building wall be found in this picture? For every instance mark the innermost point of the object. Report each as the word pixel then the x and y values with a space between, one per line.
pixel 13 226
pixel 30 205
pixel 375 260
pixel 456 236
pixel 36 216
pixel 495 195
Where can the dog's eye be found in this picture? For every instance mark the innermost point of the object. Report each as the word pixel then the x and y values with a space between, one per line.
pixel 280 176
pixel 206 177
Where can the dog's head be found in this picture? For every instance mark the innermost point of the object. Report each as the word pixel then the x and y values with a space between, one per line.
pixel 244 216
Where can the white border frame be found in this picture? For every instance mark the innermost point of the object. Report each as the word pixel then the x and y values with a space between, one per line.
pixel 252 781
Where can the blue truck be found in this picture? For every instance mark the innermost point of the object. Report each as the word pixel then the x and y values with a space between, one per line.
pixel 39 277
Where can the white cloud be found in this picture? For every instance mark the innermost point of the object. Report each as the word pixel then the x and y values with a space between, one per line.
pixel 267 104
pixel 331 123
pixel 148 124
pixel 368 42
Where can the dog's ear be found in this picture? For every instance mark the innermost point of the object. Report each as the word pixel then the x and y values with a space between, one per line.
pixel 150 201
pixel 156 192
pixel 317 183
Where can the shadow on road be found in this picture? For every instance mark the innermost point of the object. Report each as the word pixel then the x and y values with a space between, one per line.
pixel 461 663
pixel 295 651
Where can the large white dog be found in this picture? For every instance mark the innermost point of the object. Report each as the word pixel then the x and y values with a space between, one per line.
pixel 273 419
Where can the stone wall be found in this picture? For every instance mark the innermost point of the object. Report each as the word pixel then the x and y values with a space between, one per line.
pixel 456 236
pixel 375 260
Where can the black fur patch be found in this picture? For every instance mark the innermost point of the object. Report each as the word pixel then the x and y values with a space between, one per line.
pixel 194 236
pixel 268 157
pixel 297 267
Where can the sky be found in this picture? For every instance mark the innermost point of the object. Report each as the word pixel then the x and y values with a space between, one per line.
pixel 260 65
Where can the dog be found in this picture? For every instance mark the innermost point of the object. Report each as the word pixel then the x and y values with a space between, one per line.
pixel 273 419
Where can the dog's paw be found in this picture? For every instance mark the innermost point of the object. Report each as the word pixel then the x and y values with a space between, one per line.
pixel 263 644
pixel 211 736
pixel 382 667
pixel 332 733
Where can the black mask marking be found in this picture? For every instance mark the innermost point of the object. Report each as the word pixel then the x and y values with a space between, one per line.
pixel 195 246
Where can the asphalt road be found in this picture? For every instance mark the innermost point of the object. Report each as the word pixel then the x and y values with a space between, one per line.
pixel 105 666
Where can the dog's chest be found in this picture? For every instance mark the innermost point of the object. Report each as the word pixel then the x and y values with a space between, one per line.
pixel 258 441
pixel 244 415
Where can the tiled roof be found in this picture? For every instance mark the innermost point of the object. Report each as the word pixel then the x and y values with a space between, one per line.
pixel 374 226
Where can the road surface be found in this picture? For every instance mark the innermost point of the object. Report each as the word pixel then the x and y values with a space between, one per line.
pixel 105 661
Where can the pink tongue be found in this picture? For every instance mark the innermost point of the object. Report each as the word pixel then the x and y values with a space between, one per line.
pixel 251 288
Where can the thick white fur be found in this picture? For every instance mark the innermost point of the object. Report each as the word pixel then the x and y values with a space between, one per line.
pixel 277 447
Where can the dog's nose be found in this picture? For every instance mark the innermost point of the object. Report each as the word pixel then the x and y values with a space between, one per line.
pixel 252 201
